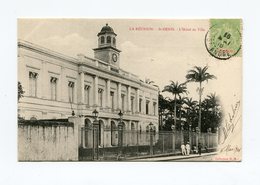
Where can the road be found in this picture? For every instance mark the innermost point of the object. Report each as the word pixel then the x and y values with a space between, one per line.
pixel 199 158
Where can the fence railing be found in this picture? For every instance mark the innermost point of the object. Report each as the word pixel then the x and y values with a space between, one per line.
pixel 105 145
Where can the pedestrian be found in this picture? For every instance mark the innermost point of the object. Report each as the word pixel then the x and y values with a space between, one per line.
pixel 183 150
pixel 188 148
pixel 199 148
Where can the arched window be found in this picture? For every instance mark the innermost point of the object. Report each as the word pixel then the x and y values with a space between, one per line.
pixel 101 133
pixel 108 39
pixel 113 134
pixel 114 41
pixel 87 134
pixel 102 40
pixel 132 126
pixel 33 118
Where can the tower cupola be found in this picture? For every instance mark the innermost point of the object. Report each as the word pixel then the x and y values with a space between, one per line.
pixel 106 50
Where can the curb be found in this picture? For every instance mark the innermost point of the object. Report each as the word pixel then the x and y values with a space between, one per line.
pixel 171 158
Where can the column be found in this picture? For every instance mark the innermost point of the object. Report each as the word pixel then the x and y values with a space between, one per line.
pixel 119 96
pixel 108 103
pixel 43 85
pixel 95 90
pixel 151 105
pixel 128 98
pixel 23 75
pixel 157 106
pixel 108 133
pixel 137 100
pixel 82 86
pixel 144 105
pixel 63 85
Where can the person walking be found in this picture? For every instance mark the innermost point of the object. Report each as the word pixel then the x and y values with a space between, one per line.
pixel 199 148
pixel 183 150
pixel 188 148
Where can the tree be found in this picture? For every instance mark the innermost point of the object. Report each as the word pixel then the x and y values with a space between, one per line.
pixel 191 110
pixel 180 111
pixel 20 91
pixel 211 112
pixel 176 89
pixel 199 75
pixel 163 105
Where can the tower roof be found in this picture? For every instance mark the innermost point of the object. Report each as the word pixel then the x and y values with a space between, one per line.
pixel 106 29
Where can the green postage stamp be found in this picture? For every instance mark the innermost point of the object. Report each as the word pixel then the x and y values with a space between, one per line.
pixel 223 40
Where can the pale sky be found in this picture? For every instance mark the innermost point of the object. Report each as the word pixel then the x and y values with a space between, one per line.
pixel 160 56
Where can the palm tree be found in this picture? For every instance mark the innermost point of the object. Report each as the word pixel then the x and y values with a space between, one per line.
pixel 163 105
pixel 176 89
pixel 191 106
pixel 180 103
pixel 214 101
pixel 199 75
pixel 211 112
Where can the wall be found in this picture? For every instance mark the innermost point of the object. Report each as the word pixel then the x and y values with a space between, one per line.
pixel 47 141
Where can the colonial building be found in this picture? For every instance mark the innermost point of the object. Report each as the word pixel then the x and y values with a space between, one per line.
pixel 55 85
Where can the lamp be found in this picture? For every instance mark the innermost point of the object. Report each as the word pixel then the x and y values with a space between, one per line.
pixel 95 114
pixel 151 126
pixel 120 114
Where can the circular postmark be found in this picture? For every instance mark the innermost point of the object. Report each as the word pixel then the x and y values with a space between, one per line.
pixel 223 41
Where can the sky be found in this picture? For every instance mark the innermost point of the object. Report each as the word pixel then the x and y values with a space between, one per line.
pixel 156 54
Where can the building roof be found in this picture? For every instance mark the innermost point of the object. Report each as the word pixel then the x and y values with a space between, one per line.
pixel 106 29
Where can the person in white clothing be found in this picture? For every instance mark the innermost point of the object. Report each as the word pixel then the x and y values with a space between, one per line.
pixel 183 150
pixel 188 148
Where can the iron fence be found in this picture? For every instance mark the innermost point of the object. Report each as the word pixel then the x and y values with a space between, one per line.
pixel 105 144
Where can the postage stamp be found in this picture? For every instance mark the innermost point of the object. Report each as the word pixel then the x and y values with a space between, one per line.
pixel 223 39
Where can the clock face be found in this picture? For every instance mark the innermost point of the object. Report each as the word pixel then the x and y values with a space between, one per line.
pixel 114 57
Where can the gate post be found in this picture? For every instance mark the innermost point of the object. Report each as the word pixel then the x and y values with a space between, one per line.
pixel 78 124
pixel 190 132
pixel 96 139
pixel 151 138
pixel 197 137
pixel 120 134
pixel 173 138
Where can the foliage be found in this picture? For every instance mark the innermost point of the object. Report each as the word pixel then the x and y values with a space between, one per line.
pixel 186 113
pixel 20 91
pixel 200 75
pixel 176 89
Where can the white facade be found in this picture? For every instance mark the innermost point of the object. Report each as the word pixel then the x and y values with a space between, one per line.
pixel 56 84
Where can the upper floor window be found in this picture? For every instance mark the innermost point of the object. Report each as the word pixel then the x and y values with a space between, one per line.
pixel 140 105
pixel 33 84
pixel 114 41
pixel 71 86
pixel 112 99
pixel 108 39
pixel 123 102
pixel 86 94
pixel 147 107
pixel 102 40
pixel 100 97
pixel 132 104
pixel 53 84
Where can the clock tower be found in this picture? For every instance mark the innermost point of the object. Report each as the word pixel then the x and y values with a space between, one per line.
pixel 106 50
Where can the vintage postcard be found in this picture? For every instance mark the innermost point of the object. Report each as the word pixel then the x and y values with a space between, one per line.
pixel 129 89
